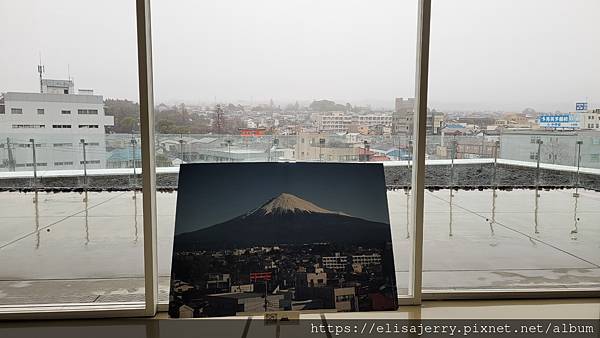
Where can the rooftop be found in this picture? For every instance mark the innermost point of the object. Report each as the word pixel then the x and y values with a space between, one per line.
pixel 73 247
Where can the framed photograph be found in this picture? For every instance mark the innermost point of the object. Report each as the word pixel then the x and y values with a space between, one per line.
pixel 263 237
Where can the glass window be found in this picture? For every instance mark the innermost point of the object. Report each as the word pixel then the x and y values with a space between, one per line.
pixel 67 237
pixel 521 229
pixel 268 106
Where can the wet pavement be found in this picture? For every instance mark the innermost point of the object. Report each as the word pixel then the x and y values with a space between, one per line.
pixel 80 248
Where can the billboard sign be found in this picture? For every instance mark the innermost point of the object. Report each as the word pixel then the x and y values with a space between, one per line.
pixel 559 121
pixel 579 106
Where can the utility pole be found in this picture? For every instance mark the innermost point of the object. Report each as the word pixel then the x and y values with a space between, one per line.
pixel 34 162
pixel 84 163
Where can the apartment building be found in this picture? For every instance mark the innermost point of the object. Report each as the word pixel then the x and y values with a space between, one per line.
pixel 56 120
pixel 324 147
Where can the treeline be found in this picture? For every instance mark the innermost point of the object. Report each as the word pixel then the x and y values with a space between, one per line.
pixel 169 120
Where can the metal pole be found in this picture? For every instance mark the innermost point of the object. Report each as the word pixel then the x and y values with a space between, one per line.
pixel 181 148
pixel 84 163
pixel 576 194
pixel 537 174
pixel 496 146
pixel 452 156
pixel 133 144
pixel 34 161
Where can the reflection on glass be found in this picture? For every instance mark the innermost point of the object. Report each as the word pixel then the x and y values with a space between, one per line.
pixel 535 212
pixel 135 216
pixel 37 220
pixel 575 229
pixel 407 193
pixel 451 214
pixel 87 226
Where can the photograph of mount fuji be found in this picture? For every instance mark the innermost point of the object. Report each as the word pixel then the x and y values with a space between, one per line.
pixel 263 237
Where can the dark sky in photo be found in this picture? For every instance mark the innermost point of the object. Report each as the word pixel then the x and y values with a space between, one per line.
pixel 212 193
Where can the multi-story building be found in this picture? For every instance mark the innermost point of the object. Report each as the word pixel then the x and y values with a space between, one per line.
pixel 558 147
pixel 402 119
pixel 337 262
pixel 322 147
pixel 58 122
pixel 371 120
pixel 366 260
pixel 589 119
pixel 333 121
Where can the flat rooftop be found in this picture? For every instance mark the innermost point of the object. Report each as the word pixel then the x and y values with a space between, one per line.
pixel 73 248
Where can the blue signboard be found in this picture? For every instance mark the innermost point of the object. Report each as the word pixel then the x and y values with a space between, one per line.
pixel 581 106
pixel 559 121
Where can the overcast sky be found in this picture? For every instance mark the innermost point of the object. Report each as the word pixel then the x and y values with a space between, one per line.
pixel 485 54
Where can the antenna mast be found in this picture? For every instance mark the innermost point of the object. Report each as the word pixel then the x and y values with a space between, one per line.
pixel 41 71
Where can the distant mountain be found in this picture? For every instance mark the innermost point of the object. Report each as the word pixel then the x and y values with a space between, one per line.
pixel 286 219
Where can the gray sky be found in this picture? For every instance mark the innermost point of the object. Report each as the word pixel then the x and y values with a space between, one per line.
pixel 492 54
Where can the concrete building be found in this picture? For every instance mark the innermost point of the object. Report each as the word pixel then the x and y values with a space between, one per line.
pixel 333 121
pixel 57 120
pixel 366 260
pixel 371 120
pixel 345 299
pixel 557 147
pixel 321 147
pixel 589 119
pixel 336 262
pixel 402 118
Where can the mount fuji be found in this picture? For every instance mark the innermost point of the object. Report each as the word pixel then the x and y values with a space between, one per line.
pixel 286 219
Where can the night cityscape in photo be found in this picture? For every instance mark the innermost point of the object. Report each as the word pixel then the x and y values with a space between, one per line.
pixel 284 252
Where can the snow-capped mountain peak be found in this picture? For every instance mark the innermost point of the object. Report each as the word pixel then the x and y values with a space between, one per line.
pixel 288 203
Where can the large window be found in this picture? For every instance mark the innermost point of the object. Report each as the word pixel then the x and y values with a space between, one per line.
pixel 514 127
pixel 499 169
pixel 67 238
pixel 256 81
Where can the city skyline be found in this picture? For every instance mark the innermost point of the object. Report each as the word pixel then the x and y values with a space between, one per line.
pixel 493 68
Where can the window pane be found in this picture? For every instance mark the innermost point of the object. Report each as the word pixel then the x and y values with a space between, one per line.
pixel 70 225
pixel 513 82
pixel 267 81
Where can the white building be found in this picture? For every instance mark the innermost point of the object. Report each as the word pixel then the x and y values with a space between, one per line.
pixel 333 121
pixel 336 262
pixel 589 119
pixel 56 120
pixel 366 260
pixel 373 120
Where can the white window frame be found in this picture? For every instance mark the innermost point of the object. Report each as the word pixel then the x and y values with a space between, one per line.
pixel 131 309
pixel 150 305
